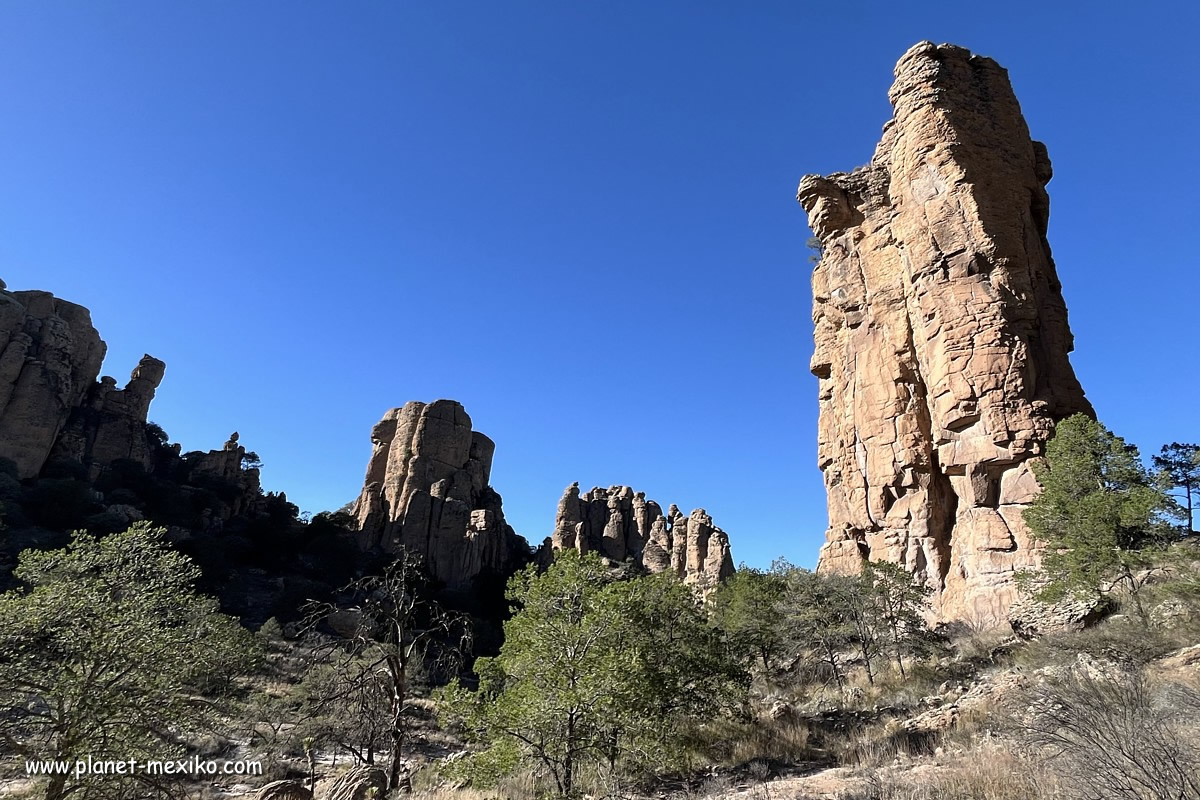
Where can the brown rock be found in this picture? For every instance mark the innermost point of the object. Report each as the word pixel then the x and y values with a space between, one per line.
pixel 111 422
pixel 426 490
pixel 941 336
pixel 621 524
pixel 359 783
pixel 50 355
pixel 1030 618
pixel 284 790
pixel 226 468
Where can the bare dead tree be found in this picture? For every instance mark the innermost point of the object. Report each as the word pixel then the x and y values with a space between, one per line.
pixel 389 626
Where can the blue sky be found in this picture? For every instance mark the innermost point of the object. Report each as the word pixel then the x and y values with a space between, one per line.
pixel 577 218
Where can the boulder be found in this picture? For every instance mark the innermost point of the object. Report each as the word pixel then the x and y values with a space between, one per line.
pixel 284 790
pixel 941 337
pixel 359 783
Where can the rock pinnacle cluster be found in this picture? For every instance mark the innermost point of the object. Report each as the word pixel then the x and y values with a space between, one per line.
pixel 622 525
pixel 941 336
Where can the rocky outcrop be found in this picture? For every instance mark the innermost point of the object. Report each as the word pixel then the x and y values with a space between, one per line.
pixel 427 490
pixel 941 336
pixel 621 524
pixel 359 783
pixel 1030 617
pixel 227 472
pixel 111 422
pixel 50 355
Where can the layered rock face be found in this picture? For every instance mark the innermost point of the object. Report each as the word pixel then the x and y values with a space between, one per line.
pixel 620 524
pixel 941 336
pixel 427 490
pixel 50 355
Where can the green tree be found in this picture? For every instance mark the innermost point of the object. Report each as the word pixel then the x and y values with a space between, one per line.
pixel 1099 513
pixel 1179 466
pixel 817 618
pixel 746 608
pixel 898 598
pixel 593 671
pixel 816 249
pixel 103 650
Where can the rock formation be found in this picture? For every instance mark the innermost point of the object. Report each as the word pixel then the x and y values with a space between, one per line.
pixel 284 790
pixel 620 524
pixel 111 422
pixel 427 490
pixel 359 783
pixel 239 485
pixel 50 355
pixel 941 336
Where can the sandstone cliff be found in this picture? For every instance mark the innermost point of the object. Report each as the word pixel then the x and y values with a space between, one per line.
pixel 941 336
pixel 427 490
pixel 50 355
pixel 620 524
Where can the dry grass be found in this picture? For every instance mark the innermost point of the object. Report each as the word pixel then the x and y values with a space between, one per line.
pixel 991 771
pixel 428 785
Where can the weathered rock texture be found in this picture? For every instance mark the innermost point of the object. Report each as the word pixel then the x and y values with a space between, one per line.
pixel 427 490
pixel 941 336
pixel 359 783
pixel 111 422
pixel 284 790
pixel 50 355
pixel 620 524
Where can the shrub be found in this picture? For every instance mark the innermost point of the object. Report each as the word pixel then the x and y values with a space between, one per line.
pixel 1115 735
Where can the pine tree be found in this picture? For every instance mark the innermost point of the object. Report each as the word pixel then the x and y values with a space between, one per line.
pixel 1099 514
pixel 1179 466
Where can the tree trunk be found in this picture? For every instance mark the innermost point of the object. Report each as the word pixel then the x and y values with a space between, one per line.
pixel 1187 491
pixel 867 662
pixel 832 658
pixel 56 788
pixel 568 781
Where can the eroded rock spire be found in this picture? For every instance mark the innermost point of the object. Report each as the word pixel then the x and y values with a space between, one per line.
pixel 941 336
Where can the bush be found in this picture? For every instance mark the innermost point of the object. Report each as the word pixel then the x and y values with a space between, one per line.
pixel 1113 734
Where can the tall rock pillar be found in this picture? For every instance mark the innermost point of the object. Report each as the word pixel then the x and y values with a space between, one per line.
pixel 941 336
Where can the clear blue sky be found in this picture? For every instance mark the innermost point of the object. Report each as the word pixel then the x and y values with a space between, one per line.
pixel 577 218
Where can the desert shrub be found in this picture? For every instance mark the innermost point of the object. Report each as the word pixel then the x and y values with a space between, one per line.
pixel 784 740
pixel 1124 642
pixel 991 771
pixel 597 679
pixel 1114 734
pixel 874 746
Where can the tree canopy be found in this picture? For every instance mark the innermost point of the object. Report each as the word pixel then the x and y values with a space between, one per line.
pixel 594 673
pixel 1099 512
pixel 103 649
